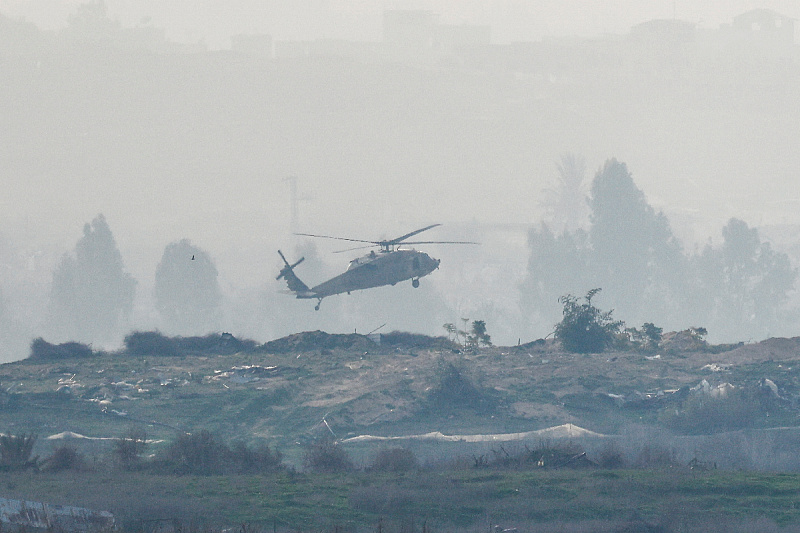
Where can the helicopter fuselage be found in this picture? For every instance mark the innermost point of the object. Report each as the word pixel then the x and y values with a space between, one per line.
pixel 376 270
pixel 389 266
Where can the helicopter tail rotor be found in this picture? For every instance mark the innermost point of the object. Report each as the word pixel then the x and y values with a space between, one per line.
pixel 288 267
pixel 287 273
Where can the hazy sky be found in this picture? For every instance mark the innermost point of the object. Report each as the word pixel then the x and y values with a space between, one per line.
pixel 175 147
pixel 511 20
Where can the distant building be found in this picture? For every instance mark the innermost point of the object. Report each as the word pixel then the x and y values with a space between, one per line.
pixel 255 44
pixel 417 36
pixel 766 24
pixel 410 31
pixel 664 31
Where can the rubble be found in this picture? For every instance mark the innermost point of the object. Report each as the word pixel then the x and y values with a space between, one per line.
pixel 246 374
pixel 27 514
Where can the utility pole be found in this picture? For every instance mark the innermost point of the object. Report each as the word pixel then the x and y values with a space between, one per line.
pixel 292 181
pixel 294 203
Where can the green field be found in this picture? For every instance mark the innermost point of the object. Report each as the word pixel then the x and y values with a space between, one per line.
pixel 444 499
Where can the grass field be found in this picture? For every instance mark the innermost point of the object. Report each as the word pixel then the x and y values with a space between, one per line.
pixel 444 499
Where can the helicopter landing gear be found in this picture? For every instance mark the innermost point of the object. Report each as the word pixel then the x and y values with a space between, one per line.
pixel 316 307
pixel 415 283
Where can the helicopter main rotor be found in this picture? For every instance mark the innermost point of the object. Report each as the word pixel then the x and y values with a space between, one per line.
pixel 387 245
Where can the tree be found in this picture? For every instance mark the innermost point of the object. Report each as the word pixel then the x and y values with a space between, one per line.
pixel 16 450
pixel 744 285
pixel 558 264
pixel 648 338
pixel 479 335
pixel 566 203
pixel 127 451
pixel 634 254
pixel 91 293
pixel 187 292
pixel 584 328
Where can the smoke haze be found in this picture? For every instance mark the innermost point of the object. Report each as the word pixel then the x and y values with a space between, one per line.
pixel 179 121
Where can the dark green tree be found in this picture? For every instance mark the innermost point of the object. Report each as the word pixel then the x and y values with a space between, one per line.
pixel 585 328
pixel 91 295
pixel 187 292
pixel 479 335
pixel 647 338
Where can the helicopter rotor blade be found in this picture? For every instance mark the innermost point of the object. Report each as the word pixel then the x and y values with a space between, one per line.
pixel 356 248
pixel 407 235
pixel 288 267
pixel 441 242
pixel 337 238
pixel 283 257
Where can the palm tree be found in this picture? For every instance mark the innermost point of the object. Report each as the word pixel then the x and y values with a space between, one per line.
pixel 565 203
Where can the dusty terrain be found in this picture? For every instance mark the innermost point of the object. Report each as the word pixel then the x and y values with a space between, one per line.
pixel 347 386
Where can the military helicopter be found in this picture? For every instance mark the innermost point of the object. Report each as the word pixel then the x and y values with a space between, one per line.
pixel 390 265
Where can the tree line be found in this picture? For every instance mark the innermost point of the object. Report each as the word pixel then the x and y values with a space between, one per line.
pixel 607 236
pixel 92 295
pixel 614 239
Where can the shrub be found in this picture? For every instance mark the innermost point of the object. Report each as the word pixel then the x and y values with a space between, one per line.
pixel 610 456
pixel 203 453
pixel 127 451
pixel 64 457
pixel 16 450
pixel 584 328
pixel 325 455
pixel 200 453
pixel 402 339
pixel 150 343
pixel 395 460
pixel 454 390
pixel 43 350
pixel 647 338
pixel 214 344
pixel 244 460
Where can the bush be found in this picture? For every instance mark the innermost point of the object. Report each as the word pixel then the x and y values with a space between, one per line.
pixel 395 460
pixel 64 457
pixel 325 455
pixel 584 328
pixel 127 451
pixel 244 460
pixel 150 343
pixel 201 453
pixel 214 344
pixel 647 338
pixel 453 390
pixel 16 450
pixel 43 350
pixel 402 339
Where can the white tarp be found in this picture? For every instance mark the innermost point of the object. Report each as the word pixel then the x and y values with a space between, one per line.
pixel 557 432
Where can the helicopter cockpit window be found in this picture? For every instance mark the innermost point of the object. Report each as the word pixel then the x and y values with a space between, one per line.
pixel 416 263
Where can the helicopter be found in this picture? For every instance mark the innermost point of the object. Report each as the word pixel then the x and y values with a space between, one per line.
pixel 389 266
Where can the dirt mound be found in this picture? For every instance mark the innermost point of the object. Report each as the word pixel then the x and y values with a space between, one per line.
pixel 774 349
pixel 402 339
pixel 309 341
